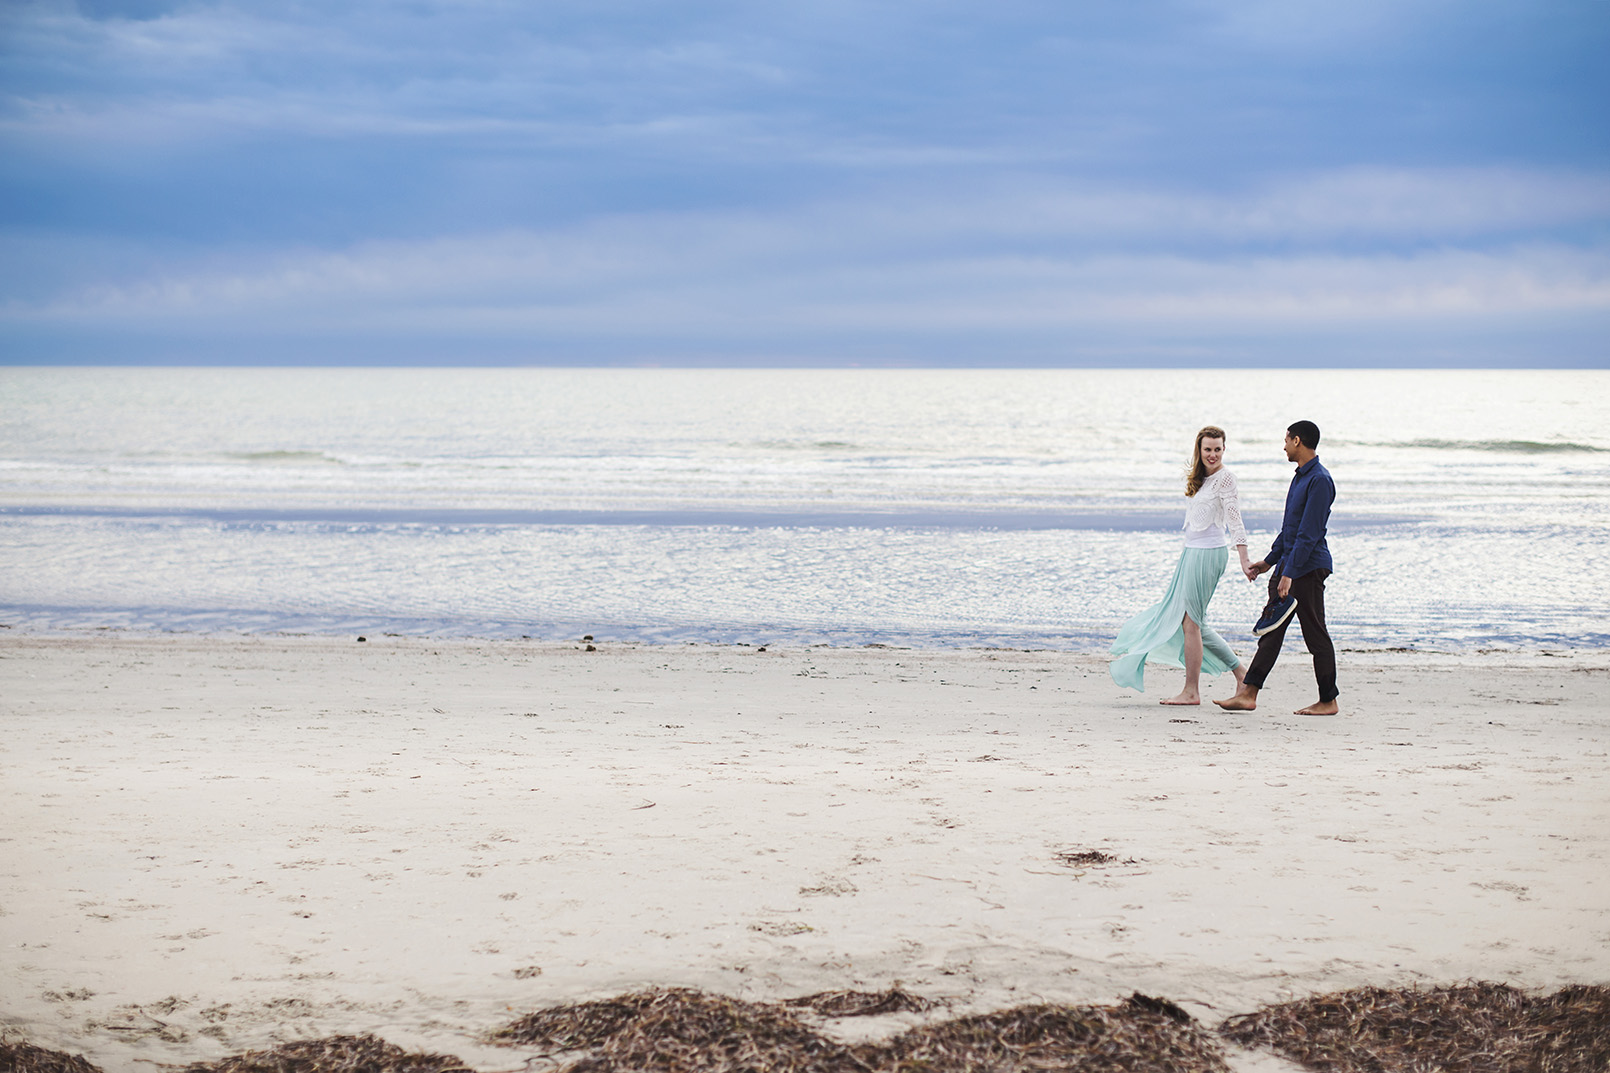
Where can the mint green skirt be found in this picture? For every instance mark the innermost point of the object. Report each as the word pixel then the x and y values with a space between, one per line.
pixel 1157 634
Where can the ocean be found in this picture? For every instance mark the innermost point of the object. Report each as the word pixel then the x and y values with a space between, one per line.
pixel 1011 508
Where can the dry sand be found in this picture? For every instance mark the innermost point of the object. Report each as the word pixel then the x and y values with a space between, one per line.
pixel 209 844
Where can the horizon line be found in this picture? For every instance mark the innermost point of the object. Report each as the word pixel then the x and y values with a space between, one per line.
pixel 1593 365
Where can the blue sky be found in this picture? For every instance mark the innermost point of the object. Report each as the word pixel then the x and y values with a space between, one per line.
pixel 1258 182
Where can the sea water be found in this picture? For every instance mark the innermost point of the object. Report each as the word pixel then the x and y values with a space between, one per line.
pixel 916 507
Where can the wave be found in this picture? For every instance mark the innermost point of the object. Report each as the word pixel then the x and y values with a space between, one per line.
pixel 799 445
pixel 285 457
pixel 1375 639
pixel 1119 521
pixel 1525 447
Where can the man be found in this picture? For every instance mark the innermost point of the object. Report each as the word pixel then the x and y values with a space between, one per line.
pixel 1301 561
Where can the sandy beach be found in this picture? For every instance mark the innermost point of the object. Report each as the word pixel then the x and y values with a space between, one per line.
pixel 215 843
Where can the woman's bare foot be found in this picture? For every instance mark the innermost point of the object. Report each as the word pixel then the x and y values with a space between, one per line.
pixel 1324 707
pixel 1245 700
pixel 1185 696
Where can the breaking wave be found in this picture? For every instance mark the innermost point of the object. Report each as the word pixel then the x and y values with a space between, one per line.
pixel 1524 447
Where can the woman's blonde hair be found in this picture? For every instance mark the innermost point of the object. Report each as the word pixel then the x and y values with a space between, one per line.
pixel 1196 472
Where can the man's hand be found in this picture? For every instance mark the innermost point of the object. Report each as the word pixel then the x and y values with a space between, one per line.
pixel 1254 570
pixel 1284 587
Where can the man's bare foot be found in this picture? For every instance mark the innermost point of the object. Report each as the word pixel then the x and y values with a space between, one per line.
pixel 1245 700
pixel 1324 707
pixel 1185 697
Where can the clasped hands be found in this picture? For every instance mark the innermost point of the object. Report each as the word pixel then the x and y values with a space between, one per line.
pixel 1252 570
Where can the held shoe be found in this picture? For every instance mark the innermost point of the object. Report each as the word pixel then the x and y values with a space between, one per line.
pixel 1275 616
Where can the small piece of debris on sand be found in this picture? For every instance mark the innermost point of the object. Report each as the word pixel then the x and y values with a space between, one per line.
pixel 1087 858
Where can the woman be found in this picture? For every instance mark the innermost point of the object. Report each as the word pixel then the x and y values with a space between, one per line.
pixel 1173 631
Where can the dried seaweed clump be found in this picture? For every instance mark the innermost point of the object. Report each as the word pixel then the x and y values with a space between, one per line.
pixel 1473 1028
pixel 679 1031
pixel 1088 858
pixel 1140 1035
pixel 26 1058
pixel 673 1030
pixel 334 1054
pixel 862 1003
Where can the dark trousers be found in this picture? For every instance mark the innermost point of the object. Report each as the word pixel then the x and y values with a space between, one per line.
pixel 1310 592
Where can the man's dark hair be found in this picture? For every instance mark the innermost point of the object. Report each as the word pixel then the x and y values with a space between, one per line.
pixel 1307 432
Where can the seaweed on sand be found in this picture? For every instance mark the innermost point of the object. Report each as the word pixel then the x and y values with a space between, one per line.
pixel 680 1031
pixel 334 1054
pixel 1472 1028
pixel 26 1058
pixel 861 1003
pixel 1140 1034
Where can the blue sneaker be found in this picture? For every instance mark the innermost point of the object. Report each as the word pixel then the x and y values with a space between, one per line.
pixel 1274 616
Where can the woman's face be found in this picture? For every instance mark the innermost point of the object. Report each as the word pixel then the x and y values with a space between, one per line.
pixel 1212 453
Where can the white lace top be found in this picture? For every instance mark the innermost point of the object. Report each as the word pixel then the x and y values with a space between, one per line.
pixel 1213 515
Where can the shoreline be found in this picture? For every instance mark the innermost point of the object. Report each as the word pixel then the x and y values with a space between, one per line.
pixel 1095 649
pixel 237 840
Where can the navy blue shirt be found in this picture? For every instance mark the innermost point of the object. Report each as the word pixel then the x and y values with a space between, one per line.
pixel 1300 548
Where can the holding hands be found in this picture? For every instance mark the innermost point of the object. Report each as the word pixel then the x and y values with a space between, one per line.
pixel 1252 570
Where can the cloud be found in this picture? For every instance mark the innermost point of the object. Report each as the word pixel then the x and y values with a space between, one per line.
pixel 1361 206
pixel 930 72
pixel 994 267
pixel 718 173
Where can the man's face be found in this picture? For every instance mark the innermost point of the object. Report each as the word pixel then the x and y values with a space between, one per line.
pixel 1293 446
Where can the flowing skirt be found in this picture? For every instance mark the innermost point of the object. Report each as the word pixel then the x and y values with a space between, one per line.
pixel 1158 633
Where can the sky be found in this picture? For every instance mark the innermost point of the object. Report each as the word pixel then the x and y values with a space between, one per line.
pixel 1235 183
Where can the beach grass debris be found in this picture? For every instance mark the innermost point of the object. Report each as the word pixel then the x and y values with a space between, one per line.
pixel 673 1030
pixel 1127 1038
pixel 1476 1027
pixel 20 1057
pixel 1168 1009
pixel 679 1030
pixel 1088 858
pixel 862 1003
pixel 334 1054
